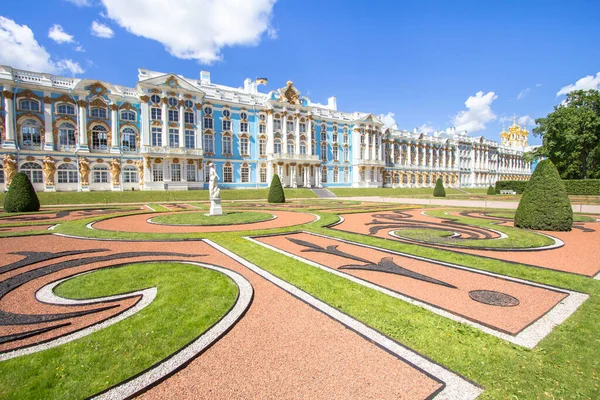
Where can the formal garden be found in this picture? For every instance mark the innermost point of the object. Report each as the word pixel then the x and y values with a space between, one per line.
pixel 163 298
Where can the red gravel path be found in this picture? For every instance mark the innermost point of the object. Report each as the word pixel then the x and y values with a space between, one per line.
pixel 138 223
pixel 576 256
pixel 534 301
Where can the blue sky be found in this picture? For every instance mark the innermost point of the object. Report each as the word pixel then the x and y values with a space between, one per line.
pixel 419 60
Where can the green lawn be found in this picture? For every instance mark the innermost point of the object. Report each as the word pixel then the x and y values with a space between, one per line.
pixel 200 218
pixel 57 198
pixel 511 215
pixel 190 299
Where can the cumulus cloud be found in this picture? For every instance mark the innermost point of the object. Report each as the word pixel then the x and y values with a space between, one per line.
pixel 58 34
pixel 81 3
pixel 19 49
pixel 388 120
pixel 426 128
pixel 101 30
pixel 523 93
pixel 478 113
pixel 526 120
pixel 195 29
pixel 585 83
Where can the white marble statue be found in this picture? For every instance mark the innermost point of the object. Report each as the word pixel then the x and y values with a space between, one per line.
pixel 214 192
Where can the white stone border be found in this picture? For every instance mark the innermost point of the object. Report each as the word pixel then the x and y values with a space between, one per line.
pixel 456 387
pixel 528 337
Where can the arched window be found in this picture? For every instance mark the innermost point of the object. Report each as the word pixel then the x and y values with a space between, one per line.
pixel 30 133
pixel 245 173
pixel 188 104
pixel 128 139
pixel 172 101
pixel 66 136
pixel 100 174
pixel 227 147
pixel 277 122
pixel 33 171
pixel 335 152
pixel 346 175
pixel 65 108
pixel 227 173
pixel 209 144
pixel 191 172
pixel 98 112
pixel 289 126
pixel 262 146
pixel 263 173
pixel 99 138
pixel 303 148
pixel 290 147
pixel 336 175
pixel 29 105
pixel 302 127
pixel 324 175
pixel 155 99
pixel 244 146
pixel 67 173
pixel 130 174
pixel 128 115
pixel 324 152
pixel 277 146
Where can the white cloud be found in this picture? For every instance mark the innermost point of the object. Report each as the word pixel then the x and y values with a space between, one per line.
pixel 523 93
pixel 195 29
pixel 19 49
pixel 526 120
pixel 585 83
pixel 388 120
pixel 426 128
pixel 57 34
pixel 101 30
pixel 81 3
pixel 538 85
pixel 478 113
pixel 79 49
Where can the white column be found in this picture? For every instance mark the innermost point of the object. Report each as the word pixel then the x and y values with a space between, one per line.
pixel 393 153
pixel 49 134
pixel 318 177
pixel 181 125
pixel 165 123
pixel 9 123
pixel 82 126
pixel 368 144
pixel 297 133
pixel 270 148
pixel 114 128
pixel 269 172
pixel 199 141
pixel 144 122
pixel 408 151
pixel 309 138
pixel 380 141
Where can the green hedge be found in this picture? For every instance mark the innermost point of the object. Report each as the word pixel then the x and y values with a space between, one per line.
pixel 583 186
pixel 276 194
pixel 574 186
pixel 439 190
pixel 21 196
pixel 491 191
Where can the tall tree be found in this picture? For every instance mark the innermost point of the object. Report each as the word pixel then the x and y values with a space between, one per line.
pixel 571 135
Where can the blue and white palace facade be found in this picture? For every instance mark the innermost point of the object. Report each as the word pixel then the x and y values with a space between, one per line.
pixel 72 134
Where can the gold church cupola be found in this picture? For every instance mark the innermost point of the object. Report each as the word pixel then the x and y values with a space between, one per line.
pixel 516 137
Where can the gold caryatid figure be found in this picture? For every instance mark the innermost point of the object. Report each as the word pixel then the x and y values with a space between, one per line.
pixel 84 171
pixel 49 170
pixel 289 94
pixel 10 168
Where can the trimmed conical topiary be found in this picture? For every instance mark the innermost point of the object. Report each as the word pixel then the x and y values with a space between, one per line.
pixel 545 204
pixel 276 194
pixel 21 195
pixel 491 191
pixel 439 191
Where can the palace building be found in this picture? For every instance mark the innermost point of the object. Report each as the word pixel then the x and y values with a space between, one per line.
pixel 70 134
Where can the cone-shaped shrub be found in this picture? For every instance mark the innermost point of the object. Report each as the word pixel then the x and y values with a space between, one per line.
pixel 21 196
pixel 276 194
pixel 439 191
pixel 545 204
pixel 491 191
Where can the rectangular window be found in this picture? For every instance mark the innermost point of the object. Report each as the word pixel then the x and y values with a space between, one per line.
pixel 100 177
pixel 190 139
pixel 130 176
pixel 335 153
pixel 244 147
pixel 188 117
pixel 173 116
pixel 263 175
pixel 67 176
pixel 208 143
pixel 277 124
pixel 346 154
pixel 226 125
pixel 324 175
pixel 208 123
pixel 157 172
pixel 245 173
pixel 173 137
pixel 290 126
pixel 335 176
pixel 346 175
pixel 302 127
pixel 206 174
pixel 156 136
pixel 262 128
pixel 176 172
pixel 323 152
pixel 244 127
pixel 155 113
pixel 262 147
pixel 228 174
pixel 227 145
pixel 191 172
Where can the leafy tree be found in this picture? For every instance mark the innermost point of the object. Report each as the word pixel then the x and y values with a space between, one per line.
pixel 491 191
pixel 439 190
pixel 545 204
pixel 571 135
pixel 276 194
pixel 21 196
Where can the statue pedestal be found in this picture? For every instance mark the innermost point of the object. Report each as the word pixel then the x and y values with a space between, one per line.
pixel 215 207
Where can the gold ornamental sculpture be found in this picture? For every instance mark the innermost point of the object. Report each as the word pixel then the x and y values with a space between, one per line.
pixel 10 168
pixel 84 171
pixel 49 170
pixel 115 171
pixel 289 94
